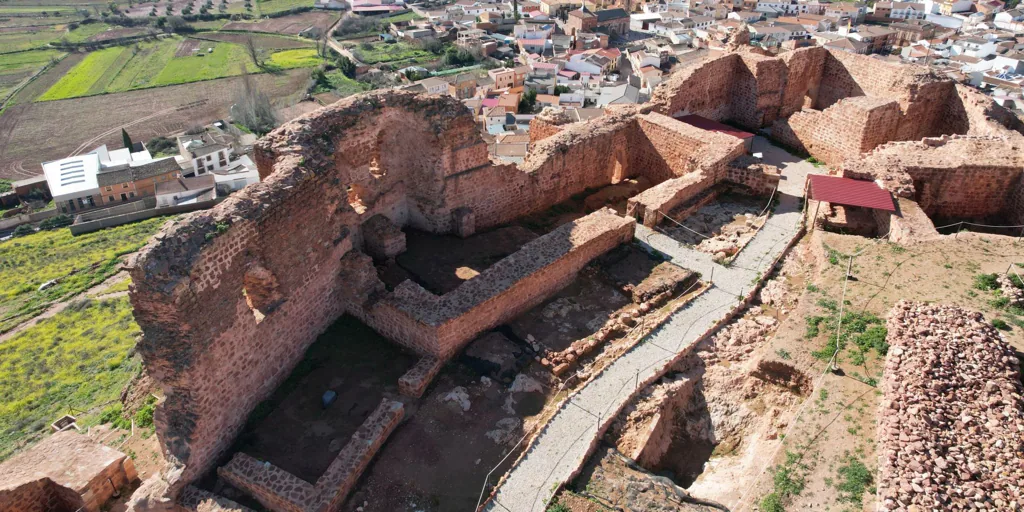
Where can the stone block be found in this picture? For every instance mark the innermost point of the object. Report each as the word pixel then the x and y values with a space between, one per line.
pixel 382 238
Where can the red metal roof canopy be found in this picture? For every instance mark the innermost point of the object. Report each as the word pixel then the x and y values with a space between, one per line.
pixel 850 192
pixel 714 126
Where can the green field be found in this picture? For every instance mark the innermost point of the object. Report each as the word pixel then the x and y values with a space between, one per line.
pixel 33 9
pixel 391 52
pixel 79 262
pixel 344 85
pixel 272 6
pixel 16 67
pixel 407 16
pixel 84 75
pixel 85 31
pixel 153 64
pixel 19 41
pixel 297 58
pixel 225 60
pixel 77 361
pixel 26 61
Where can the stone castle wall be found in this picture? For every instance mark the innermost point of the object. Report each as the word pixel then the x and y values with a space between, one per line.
pixel 441 325
pixel 230 298
pixel 951 177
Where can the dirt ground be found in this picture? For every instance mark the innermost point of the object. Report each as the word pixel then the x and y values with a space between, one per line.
pixel 31 133
pixel 292 429
pixel 502 387
pixel 768 406
pixel 290 25
pixel 440 263
pixel 727 224
pixel 613 483
pixel 466 424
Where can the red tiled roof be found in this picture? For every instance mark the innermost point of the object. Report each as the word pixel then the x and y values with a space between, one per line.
pixel 850 192
pixel 714 126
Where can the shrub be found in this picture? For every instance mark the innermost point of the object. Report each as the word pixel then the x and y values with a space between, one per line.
pixel 1000 324
pixel 854 479
pixel 57 221
pixel 986 281
pixel 23 230
pixel 144 416
pixel 772 503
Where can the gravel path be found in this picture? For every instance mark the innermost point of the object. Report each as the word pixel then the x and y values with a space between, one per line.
pixel 563 445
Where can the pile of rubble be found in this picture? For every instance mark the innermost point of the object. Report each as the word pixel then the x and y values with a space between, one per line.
pixel 1009 288
pixel 951 430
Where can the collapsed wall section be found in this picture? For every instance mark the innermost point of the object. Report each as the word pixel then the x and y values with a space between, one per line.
pixel 951 414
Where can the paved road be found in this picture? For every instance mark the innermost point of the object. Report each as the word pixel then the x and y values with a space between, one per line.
pixel 565 442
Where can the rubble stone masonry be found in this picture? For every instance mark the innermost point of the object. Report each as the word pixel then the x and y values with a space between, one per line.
pixel 951 414
pixel 971 177
pixel 230 298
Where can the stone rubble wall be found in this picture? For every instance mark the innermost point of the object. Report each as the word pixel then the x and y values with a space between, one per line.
pixel 439 326
pixel 273 487
pixel 281 491
pixel 1010 290
pixel 194 499
pixel 339 479
pixel 416 380
pixel 951 415
pixel 950 176
pixel 421 162
pixel 651 205
pixel 760 178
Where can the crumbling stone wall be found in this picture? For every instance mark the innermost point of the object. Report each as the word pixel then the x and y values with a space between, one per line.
pixel 846 129
pixel 549 122
pixel 282 491
pixel 229 299
pixel 441 325
pixel 951 176
pixel 951 414
pixel 42 495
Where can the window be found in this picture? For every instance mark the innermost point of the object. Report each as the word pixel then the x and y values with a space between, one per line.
pixel 124 197
pixel 111 198
pixel 124 185
pixel 209 158
pixel 108 189
pixel 131 194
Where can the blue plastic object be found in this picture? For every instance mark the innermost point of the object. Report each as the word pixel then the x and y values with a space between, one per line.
pixel 328 398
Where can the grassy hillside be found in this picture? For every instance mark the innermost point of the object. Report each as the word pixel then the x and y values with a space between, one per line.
pixel 79 262
pixel 79 359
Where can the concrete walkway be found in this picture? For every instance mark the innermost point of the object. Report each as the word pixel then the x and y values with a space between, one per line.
pixel 563 445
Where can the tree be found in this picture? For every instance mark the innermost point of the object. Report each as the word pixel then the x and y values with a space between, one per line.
pixel 126 139
pixel 254 52
pixel 560 89
pixel 253 109
pixel 347 67
pixel 528 101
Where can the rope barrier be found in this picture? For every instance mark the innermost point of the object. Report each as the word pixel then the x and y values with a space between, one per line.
pixel 741 504
pixel 680 225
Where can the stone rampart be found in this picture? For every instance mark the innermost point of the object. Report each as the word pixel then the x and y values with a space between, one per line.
pixel 230 298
